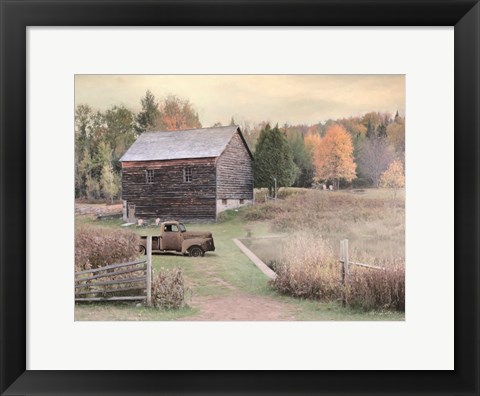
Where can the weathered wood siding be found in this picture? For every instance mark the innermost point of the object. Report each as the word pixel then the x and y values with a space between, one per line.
pixel 235 171
pixel 169 197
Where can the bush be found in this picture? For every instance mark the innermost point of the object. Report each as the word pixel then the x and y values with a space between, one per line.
pixel 374 289
pixel 308 269
pixel 96 247
pixel 227 215
pixel 286 192
pixel 168 289
pixel 265 211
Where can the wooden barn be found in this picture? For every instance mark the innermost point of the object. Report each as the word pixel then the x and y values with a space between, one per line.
pixel 188 175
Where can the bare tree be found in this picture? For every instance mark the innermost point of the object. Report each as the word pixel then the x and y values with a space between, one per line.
pixel 375 155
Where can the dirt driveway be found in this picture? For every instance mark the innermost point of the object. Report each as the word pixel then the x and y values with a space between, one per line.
pixel 235 304
pixel 240 306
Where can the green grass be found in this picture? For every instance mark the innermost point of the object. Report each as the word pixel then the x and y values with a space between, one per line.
pixel 228 271
pixel 126 312
pixel 314 310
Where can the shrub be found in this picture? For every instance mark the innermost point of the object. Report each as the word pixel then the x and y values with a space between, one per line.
pixel 168 289
pixel 286 192
pixel 308 269
pixel 96 247
pixel 375 289
pixel 265 211
pixel 226 215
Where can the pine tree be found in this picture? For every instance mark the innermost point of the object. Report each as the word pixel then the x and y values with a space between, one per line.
pixel 370 129
pixel 146 120
pixel 382 131
pixel 303 159
pixel 273 160
pixel 232 122
pixel 397 117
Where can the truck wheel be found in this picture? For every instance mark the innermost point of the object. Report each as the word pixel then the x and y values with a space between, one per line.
pixel 196 251
pixel 142 250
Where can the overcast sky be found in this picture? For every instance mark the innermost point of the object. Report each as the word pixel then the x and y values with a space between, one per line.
pixel 292 99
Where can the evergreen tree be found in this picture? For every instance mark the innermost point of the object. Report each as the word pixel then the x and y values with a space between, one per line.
pixel 382 131
pixel 232 122
pixel 146 120
pixel 273 160
pixel 397 117
pixel 370 129
pixel 303 158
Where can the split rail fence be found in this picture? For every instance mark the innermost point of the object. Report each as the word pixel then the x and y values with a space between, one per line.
pixel 345 270
pixel 94 285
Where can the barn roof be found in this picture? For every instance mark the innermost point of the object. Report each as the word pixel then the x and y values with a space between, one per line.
pixel 181 144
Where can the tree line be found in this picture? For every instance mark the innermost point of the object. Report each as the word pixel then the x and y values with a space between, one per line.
pixel 353 151
pixel 101 138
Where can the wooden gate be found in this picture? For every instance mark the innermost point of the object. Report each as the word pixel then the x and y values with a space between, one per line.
pixel 117 282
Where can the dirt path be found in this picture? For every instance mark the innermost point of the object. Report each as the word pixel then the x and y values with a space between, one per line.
pixel 235 304
pixel 241 306
pixel 231 303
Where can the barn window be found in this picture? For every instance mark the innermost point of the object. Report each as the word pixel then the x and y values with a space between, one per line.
pixel 242 201
pixel 149 173
pixel 224 201
pixel 187 175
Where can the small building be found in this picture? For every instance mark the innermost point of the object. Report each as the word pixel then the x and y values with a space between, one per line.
pixel 187 175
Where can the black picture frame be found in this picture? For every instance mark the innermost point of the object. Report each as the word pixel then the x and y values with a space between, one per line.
pixel 17 15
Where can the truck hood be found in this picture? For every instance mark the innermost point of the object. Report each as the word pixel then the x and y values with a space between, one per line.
pixel 196 234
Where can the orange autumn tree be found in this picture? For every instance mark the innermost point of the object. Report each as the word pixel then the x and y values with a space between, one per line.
pixel 312 142
pixel 176 113
pixel 334 156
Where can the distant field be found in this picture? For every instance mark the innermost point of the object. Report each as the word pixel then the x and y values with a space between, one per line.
pixel 228 278
pixel 364 217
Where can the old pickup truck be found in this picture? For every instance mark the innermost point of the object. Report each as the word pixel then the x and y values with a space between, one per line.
pixel 174 237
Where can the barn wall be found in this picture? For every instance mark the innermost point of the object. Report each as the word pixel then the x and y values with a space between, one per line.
pixel 235 171
pixel 169 197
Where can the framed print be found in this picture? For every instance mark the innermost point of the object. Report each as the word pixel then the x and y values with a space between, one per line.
pixel 338 70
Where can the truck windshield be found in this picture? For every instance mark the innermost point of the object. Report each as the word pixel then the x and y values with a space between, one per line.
pixel 182 227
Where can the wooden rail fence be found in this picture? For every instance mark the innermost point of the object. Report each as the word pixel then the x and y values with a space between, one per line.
pixel 345 269
pixel 91 285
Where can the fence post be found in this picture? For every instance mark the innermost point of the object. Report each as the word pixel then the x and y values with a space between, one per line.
pixel 149 271
pixel 344 272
